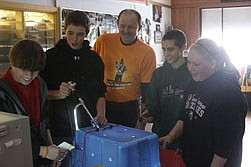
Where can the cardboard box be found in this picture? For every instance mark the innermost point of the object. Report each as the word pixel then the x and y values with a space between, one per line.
pixel 15 141
pixel 116 146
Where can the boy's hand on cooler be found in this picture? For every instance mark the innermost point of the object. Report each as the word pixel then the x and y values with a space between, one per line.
pixel 101 119
pixel 65 89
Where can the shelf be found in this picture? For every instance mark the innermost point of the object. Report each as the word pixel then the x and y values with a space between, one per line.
pixel 9 21
pixel 47 37
pixel 33 31
pixel 6 46
pixel 16 24
pixel 46 30
pixel 8 30
pixel 48 24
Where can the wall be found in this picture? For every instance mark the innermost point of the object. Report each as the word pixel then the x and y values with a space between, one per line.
pixel 113 7
pixel 185 14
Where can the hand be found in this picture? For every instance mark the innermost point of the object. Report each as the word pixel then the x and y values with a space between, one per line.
pixel 164 141
pixel 145 115
pixel 56 153
pixel 101 119
pixel 52 152
pixel 55 163
pixel 65 89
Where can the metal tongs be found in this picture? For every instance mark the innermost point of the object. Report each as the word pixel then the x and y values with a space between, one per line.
pixel 93 121
pixel 81 103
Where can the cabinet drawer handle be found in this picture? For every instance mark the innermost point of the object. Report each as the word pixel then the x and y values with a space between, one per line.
pixel 3 130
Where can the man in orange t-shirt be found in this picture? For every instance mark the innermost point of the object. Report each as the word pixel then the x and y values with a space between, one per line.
pixel 129 64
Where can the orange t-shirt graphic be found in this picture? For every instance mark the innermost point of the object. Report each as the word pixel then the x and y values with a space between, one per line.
pixel 126 66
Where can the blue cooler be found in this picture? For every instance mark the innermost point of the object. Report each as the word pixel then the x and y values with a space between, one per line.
pixel 116 146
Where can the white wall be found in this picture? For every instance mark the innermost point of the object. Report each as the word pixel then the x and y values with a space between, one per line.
pixel 113 7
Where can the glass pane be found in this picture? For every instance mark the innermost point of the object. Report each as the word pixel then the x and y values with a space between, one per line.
pixel 211 24
pixel 237 34
pixel 40 27
pixel 10 33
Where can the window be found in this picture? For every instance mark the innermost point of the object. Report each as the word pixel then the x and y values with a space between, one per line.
pixel 230 28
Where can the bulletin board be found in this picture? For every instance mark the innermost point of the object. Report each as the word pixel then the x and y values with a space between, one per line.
pixel 100 23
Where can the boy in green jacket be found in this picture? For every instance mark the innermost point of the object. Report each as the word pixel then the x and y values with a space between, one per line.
pixel 166 89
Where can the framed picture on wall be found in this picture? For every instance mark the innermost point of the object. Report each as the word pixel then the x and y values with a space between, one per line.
pixel 157 13
pixel 157 36
pixel 157 27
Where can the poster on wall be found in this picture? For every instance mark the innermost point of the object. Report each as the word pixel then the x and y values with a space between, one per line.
pixel 145 32
pixel 100 23
pixel 157 34
pixel 157 13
